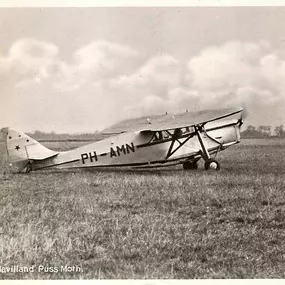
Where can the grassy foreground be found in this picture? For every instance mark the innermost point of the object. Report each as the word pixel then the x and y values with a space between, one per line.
pixel 151 223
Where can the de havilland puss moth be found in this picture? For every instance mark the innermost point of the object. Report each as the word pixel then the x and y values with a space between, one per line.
pixel 153 141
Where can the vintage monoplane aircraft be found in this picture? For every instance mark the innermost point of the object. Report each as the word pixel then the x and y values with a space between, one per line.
pixel 145 142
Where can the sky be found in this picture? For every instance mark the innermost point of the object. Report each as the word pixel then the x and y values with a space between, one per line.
pixel 82 69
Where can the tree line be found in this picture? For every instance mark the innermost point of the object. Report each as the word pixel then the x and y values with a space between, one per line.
pixel 264 131
pixel 43 136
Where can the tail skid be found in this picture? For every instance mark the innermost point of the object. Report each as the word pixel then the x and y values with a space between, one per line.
pixel 22 149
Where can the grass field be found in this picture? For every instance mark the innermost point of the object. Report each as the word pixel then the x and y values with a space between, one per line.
pixel 164 223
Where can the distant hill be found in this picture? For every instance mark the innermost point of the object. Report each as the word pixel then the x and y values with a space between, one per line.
pixel 42 136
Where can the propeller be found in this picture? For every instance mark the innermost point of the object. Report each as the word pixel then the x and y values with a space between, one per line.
pixel 244 114
pixel 245 111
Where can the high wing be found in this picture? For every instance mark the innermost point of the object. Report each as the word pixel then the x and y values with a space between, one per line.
pixel 170 122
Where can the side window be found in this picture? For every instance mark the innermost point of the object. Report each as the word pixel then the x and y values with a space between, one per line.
pixel 165 135
pixel 159 136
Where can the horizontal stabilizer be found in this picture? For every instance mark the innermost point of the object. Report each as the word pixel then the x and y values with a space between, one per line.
pixel 39 152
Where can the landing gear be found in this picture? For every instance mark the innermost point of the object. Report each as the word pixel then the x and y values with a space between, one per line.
pixel 212 164
pixel 29 167
pixel 187 165
pixel 204 153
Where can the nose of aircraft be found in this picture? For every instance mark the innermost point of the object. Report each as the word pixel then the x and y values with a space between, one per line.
pixel 240 122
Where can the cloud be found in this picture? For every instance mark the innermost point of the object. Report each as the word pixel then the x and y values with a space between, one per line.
pixel 104 82
pixel 234 73
pixel 30 57
pixel 226 67
pixel 273 72
pixel 237 72
pixel 158 73
pixel 145 91
pixel 96 62
pixel 103 55
pixel 48 93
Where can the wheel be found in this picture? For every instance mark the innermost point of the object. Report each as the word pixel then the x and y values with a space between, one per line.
pixel 187 165
pixel 29 167
pixel 212 164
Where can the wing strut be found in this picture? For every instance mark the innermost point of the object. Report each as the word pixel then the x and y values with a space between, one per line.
pixel 205 152
pixel 209 162
pixel 175 137
pixel 198 129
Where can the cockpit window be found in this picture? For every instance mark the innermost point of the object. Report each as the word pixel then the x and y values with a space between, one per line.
pixel 160 136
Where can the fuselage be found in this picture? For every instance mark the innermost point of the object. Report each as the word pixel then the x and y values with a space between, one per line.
pixel 149 147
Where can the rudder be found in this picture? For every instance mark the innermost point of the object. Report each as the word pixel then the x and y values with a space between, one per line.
pixel 22 150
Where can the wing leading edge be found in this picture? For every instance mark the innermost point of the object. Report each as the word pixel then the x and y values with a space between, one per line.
pixel 170 122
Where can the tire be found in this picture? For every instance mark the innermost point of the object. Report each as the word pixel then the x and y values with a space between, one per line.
pixel 190 165
pixel 29 167
pixel 212 164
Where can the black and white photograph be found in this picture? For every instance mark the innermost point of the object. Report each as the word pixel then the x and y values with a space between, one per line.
pixel 142 142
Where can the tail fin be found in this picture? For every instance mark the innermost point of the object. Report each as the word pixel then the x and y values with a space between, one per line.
pixel 22 149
